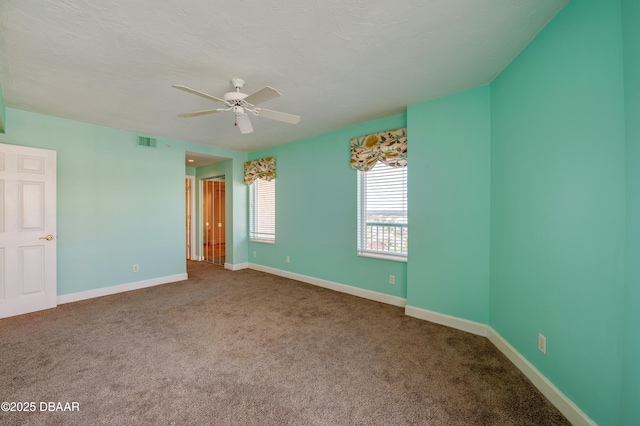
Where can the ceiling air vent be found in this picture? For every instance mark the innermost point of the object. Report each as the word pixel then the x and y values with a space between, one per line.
pixel 148 142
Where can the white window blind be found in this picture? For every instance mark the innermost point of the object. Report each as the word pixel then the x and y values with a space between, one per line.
pixel 382 210
pixel 262 211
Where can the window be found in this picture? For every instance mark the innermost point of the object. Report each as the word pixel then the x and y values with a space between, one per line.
pixel 262 210
pixel 382 212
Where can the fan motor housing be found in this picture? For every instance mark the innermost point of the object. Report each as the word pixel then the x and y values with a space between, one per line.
pixel 236 100
pixel 234 96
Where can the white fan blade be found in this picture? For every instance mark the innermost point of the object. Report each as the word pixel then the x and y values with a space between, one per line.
pixel 263 95
pixel 277 115
pixel 195 92
pixel 244 124
pixel 198 113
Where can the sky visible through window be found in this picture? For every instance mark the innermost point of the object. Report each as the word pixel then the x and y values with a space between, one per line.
pixel 386 191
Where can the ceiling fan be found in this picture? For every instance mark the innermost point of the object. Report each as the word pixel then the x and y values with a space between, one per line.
pixel 242 104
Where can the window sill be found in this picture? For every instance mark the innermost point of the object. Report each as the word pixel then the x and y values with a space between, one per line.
pixel 383 256
pixel 262 241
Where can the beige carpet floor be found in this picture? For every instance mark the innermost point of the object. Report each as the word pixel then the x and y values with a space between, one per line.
pixel 249 348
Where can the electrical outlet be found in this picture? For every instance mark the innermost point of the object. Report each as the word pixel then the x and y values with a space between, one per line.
pixel 135 268
pixel 254 253
pixel 288 259
pixel 392 279
pixel 542 344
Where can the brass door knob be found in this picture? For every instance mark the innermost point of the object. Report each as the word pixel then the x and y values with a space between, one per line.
pixel 48 237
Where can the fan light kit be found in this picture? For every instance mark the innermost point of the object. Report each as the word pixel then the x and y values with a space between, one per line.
pixel 241 104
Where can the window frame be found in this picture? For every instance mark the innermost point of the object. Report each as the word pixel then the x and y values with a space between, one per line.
pixel 362 220
pixel 253 214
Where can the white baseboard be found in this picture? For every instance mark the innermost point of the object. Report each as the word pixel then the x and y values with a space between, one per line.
pixel 448 320
pixel 106 291
pixel 343 288
pixel 237 266
pixel 570 410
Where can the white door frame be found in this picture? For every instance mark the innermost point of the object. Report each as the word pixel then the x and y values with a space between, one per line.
pixel 192 205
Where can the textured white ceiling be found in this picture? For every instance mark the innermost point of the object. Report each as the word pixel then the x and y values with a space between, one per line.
pixel 336 63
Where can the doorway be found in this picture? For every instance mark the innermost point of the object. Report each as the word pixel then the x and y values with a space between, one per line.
pixel 213 220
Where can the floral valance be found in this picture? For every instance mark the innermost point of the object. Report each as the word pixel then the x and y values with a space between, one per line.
pixel 264 168
pixel 390 147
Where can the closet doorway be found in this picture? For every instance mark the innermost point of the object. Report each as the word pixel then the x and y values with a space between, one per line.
pixel 213 220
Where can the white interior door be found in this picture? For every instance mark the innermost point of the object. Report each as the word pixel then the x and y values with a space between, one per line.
pixel 27 230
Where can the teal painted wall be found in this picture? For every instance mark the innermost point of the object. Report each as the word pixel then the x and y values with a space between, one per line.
pixel 631 360
pixel 449 200
pixel 117 204
pixel 558 204
pixel 240 207
pixel 316 223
